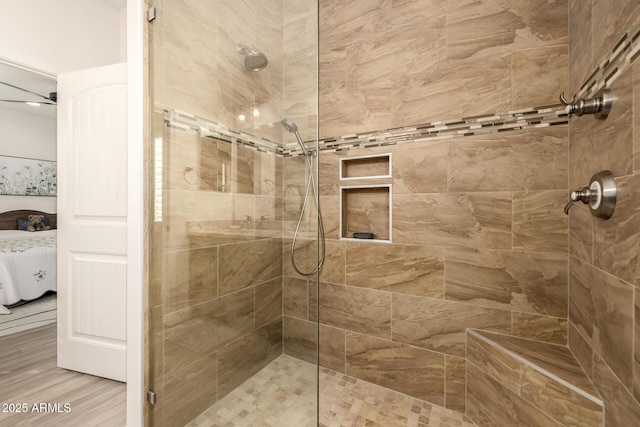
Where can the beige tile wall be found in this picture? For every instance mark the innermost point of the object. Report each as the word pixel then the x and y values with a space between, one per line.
pixel 196 67
pixel 479 238
pixel 216 284
pixel 386 64
pixel 604 269
pixel 469 250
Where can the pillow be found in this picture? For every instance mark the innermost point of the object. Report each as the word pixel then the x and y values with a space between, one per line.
pixel 23 223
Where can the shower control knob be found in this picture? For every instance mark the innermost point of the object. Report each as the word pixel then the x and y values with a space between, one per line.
pixel 600 195
pixel 583 195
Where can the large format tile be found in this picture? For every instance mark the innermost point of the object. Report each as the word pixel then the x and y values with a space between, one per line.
pixel 539 222
pixel 333 267
pixel 202 329
pixel 581 229
pixel 301 339
pixel 601 308
pixel 523 281
pixel 332 348
pixel 180 152
pixel 610 21
pixel 530 160
pixel 190 390
pixel 306 255
pixel 479 86
pixel 560 402
pixel 580 63
pixel 496 363
pixel 245 356
pixel 190 277
pixel 617 240
pixel 581 350
pixel 453 219
pixel 295 299
pixel 636 344
pixel 440 325
pixel 410 370
pixel 268 300
pixel 622 409
pixel 636 117
pixel 556 361
pixel 420 168
pixel 356 309
pixel 490 404
pixel 539 75
pixel 537 327
pixel 476 30
pixel 330 211
pixel 417 270
pixel 247 264
pixel 455 382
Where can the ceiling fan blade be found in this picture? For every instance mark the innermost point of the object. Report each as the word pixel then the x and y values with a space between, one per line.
pixel 26 90
pixel 25 102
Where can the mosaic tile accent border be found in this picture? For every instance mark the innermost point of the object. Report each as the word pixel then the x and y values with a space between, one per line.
pixel 187 122
pixel 621 57
pixel 527 118
pixel 624 53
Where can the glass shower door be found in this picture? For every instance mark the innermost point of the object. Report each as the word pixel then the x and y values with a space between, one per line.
pixel 233 333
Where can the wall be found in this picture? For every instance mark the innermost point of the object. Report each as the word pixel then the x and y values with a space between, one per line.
pixel 30 136
pixel 604 269
pixel 53 37
pixel 386 64
pixel 60 36
pixel 479 237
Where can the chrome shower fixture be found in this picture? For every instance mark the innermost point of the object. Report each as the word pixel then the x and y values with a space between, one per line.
pixel 253 60
pixel 601 195
pixel 600 105
pixel 291 127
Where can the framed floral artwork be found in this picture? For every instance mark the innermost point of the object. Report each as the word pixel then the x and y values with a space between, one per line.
pixel 27 177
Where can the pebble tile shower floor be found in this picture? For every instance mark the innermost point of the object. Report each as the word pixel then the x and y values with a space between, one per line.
pixel 283 395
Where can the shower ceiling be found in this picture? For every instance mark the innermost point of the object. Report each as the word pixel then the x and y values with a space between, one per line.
pixel 30 81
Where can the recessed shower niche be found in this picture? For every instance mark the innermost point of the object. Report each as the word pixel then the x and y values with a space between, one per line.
pixel 365 210
pixel 366 167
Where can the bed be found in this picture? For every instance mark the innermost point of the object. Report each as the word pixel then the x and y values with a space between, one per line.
pixel 27 259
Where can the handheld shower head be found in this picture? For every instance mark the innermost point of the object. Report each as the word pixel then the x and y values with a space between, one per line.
pixel 291 127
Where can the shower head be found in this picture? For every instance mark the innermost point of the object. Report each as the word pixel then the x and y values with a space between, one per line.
pixel 291 127
pixel 253 60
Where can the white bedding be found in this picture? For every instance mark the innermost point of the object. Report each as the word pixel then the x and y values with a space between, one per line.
pixel 27 265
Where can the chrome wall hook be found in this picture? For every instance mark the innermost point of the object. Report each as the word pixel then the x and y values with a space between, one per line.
pixel 600 195
pixel 600 105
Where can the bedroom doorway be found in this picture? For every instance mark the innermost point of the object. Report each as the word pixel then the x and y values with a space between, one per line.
pixel 29 266
pixel 28 154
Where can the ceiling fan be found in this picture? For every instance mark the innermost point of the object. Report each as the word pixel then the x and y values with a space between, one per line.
pixel 52 99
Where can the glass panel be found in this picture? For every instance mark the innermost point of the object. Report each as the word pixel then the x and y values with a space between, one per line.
pixel 233 325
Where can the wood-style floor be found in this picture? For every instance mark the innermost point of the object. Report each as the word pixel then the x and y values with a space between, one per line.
pixel 29 375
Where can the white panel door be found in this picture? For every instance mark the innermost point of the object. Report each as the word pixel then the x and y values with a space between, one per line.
pixel 92 221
